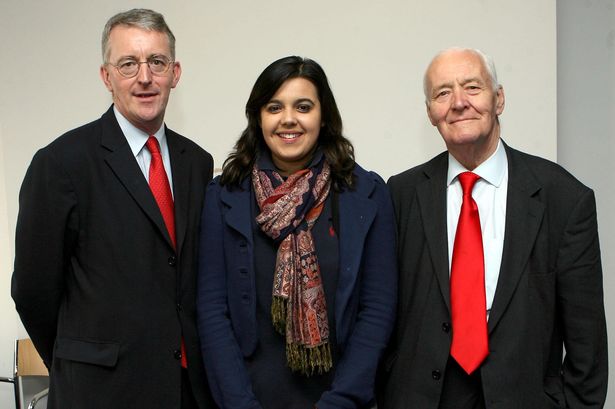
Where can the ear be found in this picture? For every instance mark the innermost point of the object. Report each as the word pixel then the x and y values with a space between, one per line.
pixel 177 73
pixel 500 100
pixel 104 75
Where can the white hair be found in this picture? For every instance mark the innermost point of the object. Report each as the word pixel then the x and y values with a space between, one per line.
pixel 487 63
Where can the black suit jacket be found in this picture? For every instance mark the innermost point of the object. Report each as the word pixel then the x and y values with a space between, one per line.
pixel 549 293
pixel 100 289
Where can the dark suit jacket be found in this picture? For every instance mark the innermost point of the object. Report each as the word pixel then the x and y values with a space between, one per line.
pixel 364 303
pixel 549 293
pixel 97 283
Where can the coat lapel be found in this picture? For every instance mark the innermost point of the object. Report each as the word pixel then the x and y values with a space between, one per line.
pixel 181 171
pixel 123 164
pixel 432 201
pixel 357 212
pixel 238 216
pixel 524 214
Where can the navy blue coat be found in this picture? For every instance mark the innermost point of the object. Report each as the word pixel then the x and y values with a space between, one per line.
pixel 365 298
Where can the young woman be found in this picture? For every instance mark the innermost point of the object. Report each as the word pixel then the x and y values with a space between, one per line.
pixel 297 272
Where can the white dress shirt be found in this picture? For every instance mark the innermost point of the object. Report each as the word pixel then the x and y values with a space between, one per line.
pixel 489 193
pixel 136 139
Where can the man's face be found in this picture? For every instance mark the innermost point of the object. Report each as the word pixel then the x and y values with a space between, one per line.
pixel 461 102
pixel 143 98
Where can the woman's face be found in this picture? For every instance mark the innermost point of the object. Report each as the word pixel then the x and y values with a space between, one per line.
pixel 291 123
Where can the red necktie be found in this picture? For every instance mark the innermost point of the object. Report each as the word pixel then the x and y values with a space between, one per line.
pixel 161 189
pixel 468 304
pixel 159 183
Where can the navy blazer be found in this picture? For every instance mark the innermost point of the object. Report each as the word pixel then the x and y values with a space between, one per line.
pixel 365 298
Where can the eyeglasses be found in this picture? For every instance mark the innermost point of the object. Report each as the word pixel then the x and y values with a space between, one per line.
pixel 129 67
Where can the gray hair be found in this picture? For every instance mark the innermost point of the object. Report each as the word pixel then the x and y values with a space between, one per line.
pixel 141 18
pixel 487 63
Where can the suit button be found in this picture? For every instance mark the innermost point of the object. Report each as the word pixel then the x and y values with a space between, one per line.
pixel 179 307
pixel 177 354
pixel 436 375
pixel 446 327
pixel 172 261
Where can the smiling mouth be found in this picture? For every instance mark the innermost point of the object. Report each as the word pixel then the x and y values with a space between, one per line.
pixel 462 120
pixel 146 95
pixel 289 135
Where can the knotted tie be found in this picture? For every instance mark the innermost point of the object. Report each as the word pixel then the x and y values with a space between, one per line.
pixel 161 189
pixel 468 304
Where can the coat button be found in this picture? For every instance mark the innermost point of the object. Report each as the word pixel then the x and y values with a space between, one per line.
pixel 177 354
pixel 179 308
pixel 172 261
pixel 436 375
pixel 446 327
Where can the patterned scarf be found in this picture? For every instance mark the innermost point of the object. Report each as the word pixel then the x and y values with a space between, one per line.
pixel 289 209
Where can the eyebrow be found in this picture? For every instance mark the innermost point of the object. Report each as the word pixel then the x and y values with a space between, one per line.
pixel 472 79
pixel 462 82
pixel 297 101
pixel 134 57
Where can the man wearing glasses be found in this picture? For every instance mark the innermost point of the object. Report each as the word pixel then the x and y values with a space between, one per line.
pixel 105 256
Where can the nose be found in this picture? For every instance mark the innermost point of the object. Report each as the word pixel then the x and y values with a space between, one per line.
pixel 144 75
pixel 288 117
pixel 460 100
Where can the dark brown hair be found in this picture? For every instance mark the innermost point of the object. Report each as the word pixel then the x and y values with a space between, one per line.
pixel 338 150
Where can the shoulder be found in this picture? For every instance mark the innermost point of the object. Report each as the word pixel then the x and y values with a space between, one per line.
pixel 71 149
pixel 409 179
pixel 551 177
pixel 76 138
pixel 367 182
pixel 370 187
pixel 188 145
pixel 214 185
pixel 230 192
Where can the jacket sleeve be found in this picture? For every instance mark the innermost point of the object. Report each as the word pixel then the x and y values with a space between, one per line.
pixel 223 360
pixel 45 235
pixel 581 307
pixel 353 384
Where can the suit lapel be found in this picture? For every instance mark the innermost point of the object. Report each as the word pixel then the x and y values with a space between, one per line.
pixel 524 214
pixel 180 168
pixel 123 164
pixel 432 201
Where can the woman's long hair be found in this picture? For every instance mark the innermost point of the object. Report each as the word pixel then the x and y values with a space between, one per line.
pixel 338 150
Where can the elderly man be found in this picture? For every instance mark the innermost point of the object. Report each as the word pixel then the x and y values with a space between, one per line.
pixel 499 265
pixel 105 256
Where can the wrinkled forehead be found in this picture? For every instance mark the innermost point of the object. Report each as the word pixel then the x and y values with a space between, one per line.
pixel 456 67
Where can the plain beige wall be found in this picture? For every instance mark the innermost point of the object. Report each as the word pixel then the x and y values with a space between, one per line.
pixel 373 52
pixel 586 122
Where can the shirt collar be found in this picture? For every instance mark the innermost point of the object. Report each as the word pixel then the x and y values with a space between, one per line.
pixel 136 138
pixel 492 170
